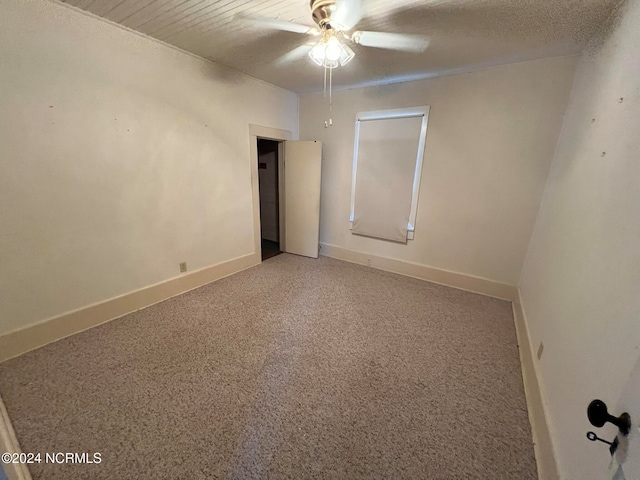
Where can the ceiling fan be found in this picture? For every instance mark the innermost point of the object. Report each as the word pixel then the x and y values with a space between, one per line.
pixel 335 19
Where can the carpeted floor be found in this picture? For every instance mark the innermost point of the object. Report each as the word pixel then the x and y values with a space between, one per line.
pixel 297 368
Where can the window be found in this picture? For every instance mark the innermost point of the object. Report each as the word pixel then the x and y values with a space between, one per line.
pixel 387 167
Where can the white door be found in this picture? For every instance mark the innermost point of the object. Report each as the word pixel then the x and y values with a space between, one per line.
pixel 625 464
pixel 302 165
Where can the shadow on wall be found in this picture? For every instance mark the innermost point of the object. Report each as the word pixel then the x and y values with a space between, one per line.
pixel 222 73
pixel 607 28
pixel 594 107
pixel 384 90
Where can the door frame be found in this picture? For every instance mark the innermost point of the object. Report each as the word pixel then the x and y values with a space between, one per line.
pixel 280 136
pixel 9 443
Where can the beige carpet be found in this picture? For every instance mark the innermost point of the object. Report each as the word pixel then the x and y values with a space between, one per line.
pixel 297 368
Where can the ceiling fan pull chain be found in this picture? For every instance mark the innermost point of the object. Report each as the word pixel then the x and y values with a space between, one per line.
pixel 326 123
pixel 325 82
pixel 331 96
pixel 330 122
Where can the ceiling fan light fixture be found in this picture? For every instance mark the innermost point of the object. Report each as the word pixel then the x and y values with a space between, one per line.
pixel 330 52
pixel 346 54
pixel 333 50
pixel 317 53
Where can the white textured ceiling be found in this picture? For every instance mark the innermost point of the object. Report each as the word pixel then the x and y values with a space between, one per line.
pixel 463 34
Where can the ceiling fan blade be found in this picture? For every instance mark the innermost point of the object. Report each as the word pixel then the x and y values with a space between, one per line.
pixel 392 41
pixel 347 15
pixel 295 54
pixel 277 24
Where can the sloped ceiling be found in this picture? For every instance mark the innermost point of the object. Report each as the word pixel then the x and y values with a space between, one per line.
pixel 463 34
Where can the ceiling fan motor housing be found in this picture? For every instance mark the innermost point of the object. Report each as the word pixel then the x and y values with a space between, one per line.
pixel 321 10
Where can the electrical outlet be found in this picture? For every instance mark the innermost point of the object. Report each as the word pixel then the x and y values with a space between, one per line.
pixel 183 267
pixel 540 350
pixel 368 262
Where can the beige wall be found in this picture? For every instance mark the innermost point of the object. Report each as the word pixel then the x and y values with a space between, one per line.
pixel 581 281
pixel 119 158
pixel 490 142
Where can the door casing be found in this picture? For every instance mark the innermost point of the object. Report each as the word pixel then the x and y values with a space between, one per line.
pixel 280 136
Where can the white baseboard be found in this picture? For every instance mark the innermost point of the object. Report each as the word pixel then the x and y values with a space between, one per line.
pixel 9 443
pixel 34 336
pixel 424 272
pixel 542 442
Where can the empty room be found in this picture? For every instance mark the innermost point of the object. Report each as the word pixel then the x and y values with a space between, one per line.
pixel 341 239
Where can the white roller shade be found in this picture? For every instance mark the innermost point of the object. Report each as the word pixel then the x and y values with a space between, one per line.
pixel 387 151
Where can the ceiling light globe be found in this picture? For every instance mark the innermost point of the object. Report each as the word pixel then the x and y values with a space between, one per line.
pixel 317 54
pixel 333 49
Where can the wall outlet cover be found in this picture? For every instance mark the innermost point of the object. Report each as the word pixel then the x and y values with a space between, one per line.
pixel 183 267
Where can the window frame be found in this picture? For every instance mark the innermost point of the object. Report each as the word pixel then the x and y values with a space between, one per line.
pixel 422 111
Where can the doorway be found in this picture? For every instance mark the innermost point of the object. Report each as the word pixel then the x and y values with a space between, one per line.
pixel 269 195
